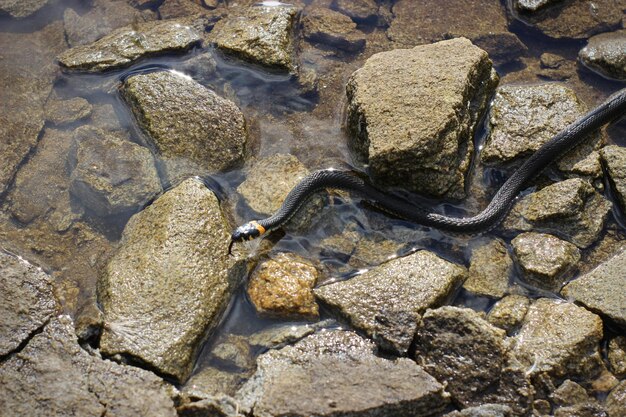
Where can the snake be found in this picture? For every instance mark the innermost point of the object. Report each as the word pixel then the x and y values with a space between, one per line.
pixel 490 217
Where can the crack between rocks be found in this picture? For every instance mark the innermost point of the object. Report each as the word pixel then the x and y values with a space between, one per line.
pixel 24 343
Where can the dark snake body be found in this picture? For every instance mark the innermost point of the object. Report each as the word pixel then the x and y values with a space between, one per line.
pixel 499 206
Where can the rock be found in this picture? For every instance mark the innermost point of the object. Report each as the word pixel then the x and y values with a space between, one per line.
pixel 283 286
pixel 212 381
pixel 524 117
pixel 170 281
pixel 486 410
pixel 545 259
pixel 601 290
pixel 105 118
pixel 61 112
pixel 128 44
pixel 103 17
pixel 569 393
pixel 605 54
pixel 556 67
pixel 490 269
pixel 336 373
pixel 260 34
pixel 26 302
pixel 617 355
pixel 571 209
pixel 614 160
pixel 386 302
pixel 576 19
pixel 21 8
pixel 415 129
pixel 560 340
pixel 590 409
pixel 484 22
pixel 112 175
pixel 332 28
pixel 31 77
pixel 53 376
pixel 616 401
pixel 281 335
pixel 361 11
pixel 217 406
pixel 233 352
pixel 509 312
pixel 187 123
pixel 462 350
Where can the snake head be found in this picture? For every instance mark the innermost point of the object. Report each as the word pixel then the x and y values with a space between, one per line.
pixel 248 231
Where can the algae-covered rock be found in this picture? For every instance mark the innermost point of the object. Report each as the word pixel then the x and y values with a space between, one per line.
pixel 61 112
pixel 361 11
pixel 387 301
pixel 337 30
pixel 21 8
pixel 606 54
pixel 509 312
pixel 412 114
pixel 126 45
pixel 490 269
pixel 170 281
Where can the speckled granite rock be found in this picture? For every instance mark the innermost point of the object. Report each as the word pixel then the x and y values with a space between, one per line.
pixel 61 112
pixel 614 160
pixel 337 30
pixel 386 302
pixel 571 209
pixel 169 283
pixel 412 131
pixel 490 269
pixel 601 290
pixel 336 373
pixel 545 259
pixel 617 355
pixel 260 34
pixel 606 54
pixel 54 376
pixel 26 302
pixel 616 401
pixel 21 8
pixel 509 312
pixel 464 351
pixel 283 286
pixel 524 117
pixel 128 44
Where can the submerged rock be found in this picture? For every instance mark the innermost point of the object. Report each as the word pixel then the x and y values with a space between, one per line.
pixel 26 302
pixel 412 114
pixel 212 381
pixel 509 312
pixel 21 8
pixel 616 401
pixel 193 128
pixel 61 112
pixel 126 45
pixel 361 11
pixel 614 160
pixel 337 30
pixel 602 289
pixel 606 54
pixel 386 302
pixel 336 373
pixel 571 209
pixel 490 269
pixel 260 34
pixel 617 356
pixel 461 349
pixel 54 376
pixel 485 410
pixel 169 283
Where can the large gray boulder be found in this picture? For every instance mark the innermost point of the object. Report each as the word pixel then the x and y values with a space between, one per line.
pixel 170 281
pixel 412 114
pixel 386 302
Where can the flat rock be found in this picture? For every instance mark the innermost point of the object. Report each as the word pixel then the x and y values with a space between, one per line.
pixel 601 290
pixel 21 8
pixel 616 401
pixel 112 175
pixel 128 44
pixel 26 304
pixel 617 355
pixel 560 339
pixel 284 334
pixel 336 373
pixel 524 117
pixel 570 209
pixel 212 381
pixel 170 281
pixel 62 112
pixel 577 19
pixel 614 160
pixel 283 286
pixel 486 410
pixel 334 29
pixel 412 114
pixel 361 11
pixel 386 302
pixel 216 406
pixel 545 260
pixel 260 34
pixel 490 269
pixel 509 312
pixel 484 22
pixel 54 376
pixel 468 354
pixel 605 54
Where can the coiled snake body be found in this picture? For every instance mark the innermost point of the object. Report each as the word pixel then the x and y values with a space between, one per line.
pixel 499 206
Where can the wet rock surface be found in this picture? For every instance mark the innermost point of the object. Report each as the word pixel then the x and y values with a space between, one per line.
pixel 490 269
pixel 605 54
pixel 260 34
pixel 170 281
pixel 61 112
pixel 412 130
pixel 332 28
pixel 614 160
pixel 336 372
pixel 617 355
pixel 26 304
pixel 487 410
pixel 126 45
pixel 545 260
pixel 213 381
pixel 601 289
pixel 616 401
pixel 570 209
pixel 461 349
pixel 21 8
pixel 283 286
pixel 360 11
pixel 52 375
pixel 509 312
pixel 386 302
